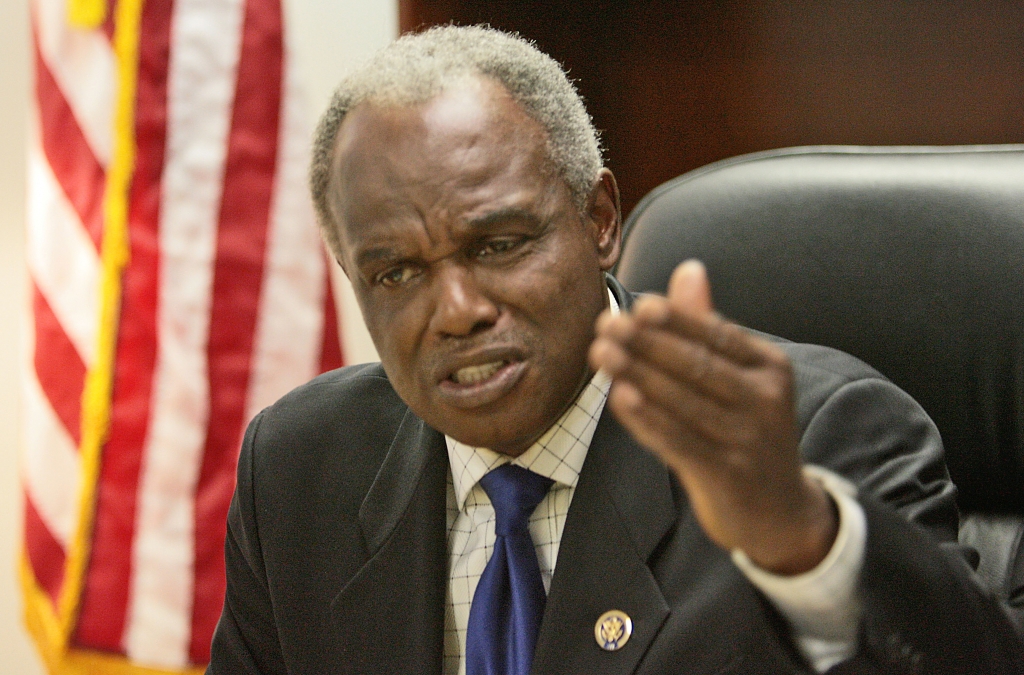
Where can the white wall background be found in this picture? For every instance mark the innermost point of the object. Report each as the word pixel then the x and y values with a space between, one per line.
pixel 331 36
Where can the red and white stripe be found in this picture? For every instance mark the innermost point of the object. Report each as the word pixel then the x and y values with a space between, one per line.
pixel 69 149
pixel 200 90
pixel 226 305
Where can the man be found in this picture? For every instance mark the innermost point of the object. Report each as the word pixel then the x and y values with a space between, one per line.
pixel 677 525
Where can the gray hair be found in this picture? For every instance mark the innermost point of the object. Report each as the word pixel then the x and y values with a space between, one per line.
pixel 417 67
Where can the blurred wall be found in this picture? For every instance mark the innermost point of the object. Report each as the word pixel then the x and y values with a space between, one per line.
pixel 676 84
pixel 18 655
pixel 331 35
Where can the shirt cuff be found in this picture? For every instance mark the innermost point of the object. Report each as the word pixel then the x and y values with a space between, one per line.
pixel 822 605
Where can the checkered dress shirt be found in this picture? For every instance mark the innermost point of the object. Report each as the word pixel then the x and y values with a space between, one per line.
pixel 821 605
pixel 558 455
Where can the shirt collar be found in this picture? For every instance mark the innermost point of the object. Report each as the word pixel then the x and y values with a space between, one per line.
pixel 558 454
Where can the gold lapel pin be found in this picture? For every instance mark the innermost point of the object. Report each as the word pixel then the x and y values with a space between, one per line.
pixel 612 630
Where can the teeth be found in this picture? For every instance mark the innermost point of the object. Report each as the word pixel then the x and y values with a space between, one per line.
pixel 474 374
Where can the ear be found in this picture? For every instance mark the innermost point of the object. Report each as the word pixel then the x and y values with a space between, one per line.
pixel 605 218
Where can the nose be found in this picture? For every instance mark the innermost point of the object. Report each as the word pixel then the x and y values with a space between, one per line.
pixel 462 308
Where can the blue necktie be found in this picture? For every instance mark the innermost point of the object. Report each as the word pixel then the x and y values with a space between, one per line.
pixel 509 600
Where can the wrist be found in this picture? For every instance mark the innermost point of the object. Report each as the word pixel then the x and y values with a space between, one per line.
pixel 802 538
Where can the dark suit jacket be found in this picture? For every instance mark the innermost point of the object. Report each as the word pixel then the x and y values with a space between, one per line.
pixel 337 559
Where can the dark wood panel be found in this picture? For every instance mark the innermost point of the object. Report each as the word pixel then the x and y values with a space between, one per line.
pixel 675 85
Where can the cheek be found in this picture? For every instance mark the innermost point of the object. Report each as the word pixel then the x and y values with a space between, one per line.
pixel 573 285
pixel 396 333
pixel 556 270
pixel 562 304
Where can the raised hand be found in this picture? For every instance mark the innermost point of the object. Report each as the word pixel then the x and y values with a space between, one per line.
pixel 715 402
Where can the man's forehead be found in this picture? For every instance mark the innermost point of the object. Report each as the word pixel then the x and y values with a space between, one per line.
pixel 465 104
pixel 429 178
pixel 465 134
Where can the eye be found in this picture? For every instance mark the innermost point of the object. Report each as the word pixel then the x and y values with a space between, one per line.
pixel 495 247
pixel 396 276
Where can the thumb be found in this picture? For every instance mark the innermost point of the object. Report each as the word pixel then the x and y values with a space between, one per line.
pixel 689 290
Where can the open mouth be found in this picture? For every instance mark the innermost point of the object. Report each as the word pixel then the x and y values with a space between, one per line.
pixel 482 383
pixel 476 374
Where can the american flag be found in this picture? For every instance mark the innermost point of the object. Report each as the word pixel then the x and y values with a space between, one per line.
pixel 178 286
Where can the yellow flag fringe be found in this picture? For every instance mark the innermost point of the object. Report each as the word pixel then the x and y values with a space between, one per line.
pixel 115 253
pixel 53 631
pixel 87 14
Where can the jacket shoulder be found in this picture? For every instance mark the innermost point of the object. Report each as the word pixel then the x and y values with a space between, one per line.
pixel 819 373
pixel 823 362
pixel 330 434
pixel 337 393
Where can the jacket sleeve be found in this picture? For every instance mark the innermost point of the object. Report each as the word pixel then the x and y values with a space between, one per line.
pixel 246 639
pixel 923 610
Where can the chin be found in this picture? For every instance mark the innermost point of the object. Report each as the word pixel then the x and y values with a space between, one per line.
pixel 487 433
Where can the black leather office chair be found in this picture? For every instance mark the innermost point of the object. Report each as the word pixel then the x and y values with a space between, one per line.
pixel 911 259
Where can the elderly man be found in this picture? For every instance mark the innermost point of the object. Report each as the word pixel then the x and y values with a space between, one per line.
pixel 544 472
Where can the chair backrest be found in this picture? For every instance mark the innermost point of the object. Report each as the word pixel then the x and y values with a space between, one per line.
pixel 909 258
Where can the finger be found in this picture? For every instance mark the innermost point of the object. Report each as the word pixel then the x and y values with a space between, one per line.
pixel 689 290
pixel 689 362
pixel 607 355
pixel 718 423
pixel 692 361
pixel 651 427
pixel 685 360
pixel 718 334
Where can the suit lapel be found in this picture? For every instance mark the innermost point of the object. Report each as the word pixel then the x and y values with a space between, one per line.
pixel 627 513
pixel 622 508
pixel 403 521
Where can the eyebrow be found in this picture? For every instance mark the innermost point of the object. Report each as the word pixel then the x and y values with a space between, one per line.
pixel 372 255
pixel 484 222
pixel 505 215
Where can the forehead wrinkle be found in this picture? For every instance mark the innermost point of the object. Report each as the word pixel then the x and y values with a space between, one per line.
pixel 454 157
pixel 372 255
pixel 455 130
pixel 383 245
